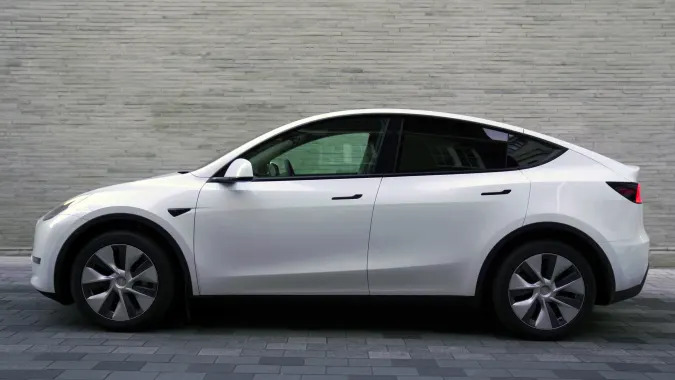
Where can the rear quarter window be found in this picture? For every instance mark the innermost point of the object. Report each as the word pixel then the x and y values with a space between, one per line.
pixel 525 151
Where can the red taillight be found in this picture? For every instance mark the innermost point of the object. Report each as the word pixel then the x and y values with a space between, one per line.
pixel 629 190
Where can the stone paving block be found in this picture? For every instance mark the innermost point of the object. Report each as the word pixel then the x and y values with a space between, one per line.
pixel 59 356
pixel 304 354
pixel 180 376
pixel 83 374
pixel 388 355
pixel 105 357
pixel 211 367
pixel 307 340
pixel 490 373
pixel 228 376
pixel 120 366
pixel 135 350
pixel 165 367
pixel 274 376
pixel 578 374
pixel 286 346
pixel 366 377
pixel 238 359
pixel 72 364
pixel 533 373
pixel 303 370
pixel 180 358
pixel 349 370
pixel 616 375
pixel 444 371
pixel 283 361
pixel 37 364
pixel 256 368
pixel 150 358
pixel 125 375
pixel 395 371
pixel 92 349
pixel 328 377
pixel 322 361
pixel 29 373
pixel 343 354
pixel 220 351
pixel 370 362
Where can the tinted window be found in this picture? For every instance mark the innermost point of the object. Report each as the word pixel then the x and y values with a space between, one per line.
pixel 430 144
pixel 525 151
pixel 341 146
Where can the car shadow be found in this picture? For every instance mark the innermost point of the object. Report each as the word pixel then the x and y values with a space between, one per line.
pixel 418 315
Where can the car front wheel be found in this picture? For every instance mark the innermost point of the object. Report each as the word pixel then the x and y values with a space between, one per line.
pixel 544 290
pixel 122 281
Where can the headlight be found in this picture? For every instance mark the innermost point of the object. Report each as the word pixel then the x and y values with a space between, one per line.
pixel 62 207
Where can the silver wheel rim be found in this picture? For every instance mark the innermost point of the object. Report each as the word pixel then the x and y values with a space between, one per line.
pixel 119 282
pixel 546 291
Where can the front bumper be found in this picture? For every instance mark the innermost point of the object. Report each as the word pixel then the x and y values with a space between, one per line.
pixel 50 236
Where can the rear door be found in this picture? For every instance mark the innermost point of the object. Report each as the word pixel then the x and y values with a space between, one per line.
pixel 455 192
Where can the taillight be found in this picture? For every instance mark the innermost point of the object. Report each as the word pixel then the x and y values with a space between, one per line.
pixel 629 190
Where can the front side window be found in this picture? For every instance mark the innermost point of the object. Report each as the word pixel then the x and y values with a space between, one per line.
pixel 336 147
pixel 432 144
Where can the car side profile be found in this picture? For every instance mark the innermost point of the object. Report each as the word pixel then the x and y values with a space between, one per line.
pixel 361 202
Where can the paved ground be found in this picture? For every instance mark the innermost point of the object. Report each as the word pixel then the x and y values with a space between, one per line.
pixel 262 339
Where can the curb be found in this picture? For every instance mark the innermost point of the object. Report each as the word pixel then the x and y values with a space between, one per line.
pixel 659 257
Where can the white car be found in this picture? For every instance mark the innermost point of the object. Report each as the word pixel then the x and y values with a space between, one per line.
pixel 362 202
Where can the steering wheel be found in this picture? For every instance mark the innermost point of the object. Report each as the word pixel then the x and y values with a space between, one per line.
pixel 289 167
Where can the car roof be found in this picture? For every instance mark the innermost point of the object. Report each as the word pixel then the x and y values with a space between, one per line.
pixel 402 111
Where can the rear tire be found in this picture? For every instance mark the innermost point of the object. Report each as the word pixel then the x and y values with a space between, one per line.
pixel 122 281
pixel 543 290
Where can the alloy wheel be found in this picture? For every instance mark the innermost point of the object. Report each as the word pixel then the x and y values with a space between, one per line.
pixel 119 282
pixel 546 291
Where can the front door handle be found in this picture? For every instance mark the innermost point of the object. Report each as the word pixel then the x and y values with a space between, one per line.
pixel 503 192
pixel 355 196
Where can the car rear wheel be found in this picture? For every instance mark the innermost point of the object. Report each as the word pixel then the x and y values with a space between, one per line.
pixel 544 290
pixel 122 281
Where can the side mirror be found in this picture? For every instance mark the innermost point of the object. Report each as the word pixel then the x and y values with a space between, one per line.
pixel 239 170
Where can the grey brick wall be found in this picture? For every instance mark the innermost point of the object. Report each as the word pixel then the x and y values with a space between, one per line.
pixel 100 91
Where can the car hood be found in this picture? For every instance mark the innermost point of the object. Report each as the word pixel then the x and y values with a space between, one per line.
pixel 159 182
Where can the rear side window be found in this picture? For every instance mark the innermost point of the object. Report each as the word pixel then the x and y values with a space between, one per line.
pixel 440 145
pixel 431 144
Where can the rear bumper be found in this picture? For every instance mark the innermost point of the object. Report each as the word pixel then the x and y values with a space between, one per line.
pixel 631 292
pixel 629 260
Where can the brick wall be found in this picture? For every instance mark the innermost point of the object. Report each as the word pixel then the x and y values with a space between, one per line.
pixel 101 91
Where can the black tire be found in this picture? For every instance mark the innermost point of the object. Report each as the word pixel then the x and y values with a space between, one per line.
pixel 501 295
pixel 166 281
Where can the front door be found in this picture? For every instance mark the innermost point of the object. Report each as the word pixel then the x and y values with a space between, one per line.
pixel 302 225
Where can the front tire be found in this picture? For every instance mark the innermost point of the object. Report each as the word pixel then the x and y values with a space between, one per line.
pixel 544 290
pixel 122 281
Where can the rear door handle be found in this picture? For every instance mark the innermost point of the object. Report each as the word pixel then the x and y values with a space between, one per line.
pixel 503 192
pixel 355 196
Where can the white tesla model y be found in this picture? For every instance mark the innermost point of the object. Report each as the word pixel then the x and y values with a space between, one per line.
pixel 363 202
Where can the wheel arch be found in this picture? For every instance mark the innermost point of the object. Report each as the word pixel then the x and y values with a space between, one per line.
pixel 602 269
pixel 118 221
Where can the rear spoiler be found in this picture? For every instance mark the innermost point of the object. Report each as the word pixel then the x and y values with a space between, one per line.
pixel 632 172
